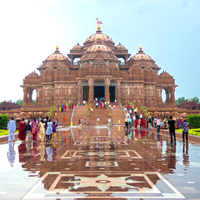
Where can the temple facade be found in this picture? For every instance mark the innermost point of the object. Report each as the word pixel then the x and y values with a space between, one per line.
pixel 96 69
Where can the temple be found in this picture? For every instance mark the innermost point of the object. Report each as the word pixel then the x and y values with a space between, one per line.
pixel 99 68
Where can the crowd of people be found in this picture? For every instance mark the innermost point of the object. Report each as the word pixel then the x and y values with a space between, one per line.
pixel 133 120
pixel 43 128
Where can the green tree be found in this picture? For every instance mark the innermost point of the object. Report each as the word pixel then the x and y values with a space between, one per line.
pixel 181 100
pixel 19 102
pixel 195 99
pixel 3 121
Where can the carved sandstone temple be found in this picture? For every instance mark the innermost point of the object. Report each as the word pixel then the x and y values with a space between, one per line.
pixel 99 68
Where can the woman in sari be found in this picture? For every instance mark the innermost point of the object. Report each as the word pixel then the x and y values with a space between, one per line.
pixel 34 127
pixel 22 133
pixel 41 130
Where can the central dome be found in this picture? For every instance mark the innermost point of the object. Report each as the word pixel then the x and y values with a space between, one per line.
pixel 99 36
pixel 98 47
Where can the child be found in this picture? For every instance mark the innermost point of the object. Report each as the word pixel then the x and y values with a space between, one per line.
pixel 54 131
pixel 84 122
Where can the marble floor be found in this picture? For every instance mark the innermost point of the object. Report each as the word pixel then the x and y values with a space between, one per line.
pixel 97 162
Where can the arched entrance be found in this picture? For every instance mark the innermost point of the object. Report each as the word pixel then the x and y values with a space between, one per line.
pixel 99 90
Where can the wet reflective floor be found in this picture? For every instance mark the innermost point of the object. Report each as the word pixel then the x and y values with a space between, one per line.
pixel 95 162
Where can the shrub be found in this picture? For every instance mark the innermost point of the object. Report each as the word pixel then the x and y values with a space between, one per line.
pixel 3 121
pixel 194 121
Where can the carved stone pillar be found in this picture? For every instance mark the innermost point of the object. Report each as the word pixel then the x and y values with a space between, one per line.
pixel 167 95
pixel 107 92
pixel 79 90
pixel 25 96
pixel 118 95
pixel 30 96
pixel 172 95
pixel 91 85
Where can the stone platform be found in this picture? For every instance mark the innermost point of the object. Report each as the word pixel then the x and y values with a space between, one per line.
pixel 97 162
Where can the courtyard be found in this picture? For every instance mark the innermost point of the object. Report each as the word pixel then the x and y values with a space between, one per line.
pixel 97 162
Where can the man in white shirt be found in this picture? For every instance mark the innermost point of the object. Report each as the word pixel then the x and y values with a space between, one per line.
pixel 11 128
pixel 109 122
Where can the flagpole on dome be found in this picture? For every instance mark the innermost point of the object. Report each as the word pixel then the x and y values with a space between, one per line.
pixel 98 24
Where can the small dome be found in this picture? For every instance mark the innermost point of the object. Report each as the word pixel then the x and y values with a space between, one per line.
pixel 77 47
pixel 56 56
pixel 120 47
pixel 98 47
pixel 141 56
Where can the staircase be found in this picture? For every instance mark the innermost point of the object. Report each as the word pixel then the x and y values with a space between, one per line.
pixel 101 114
pixel 117 114
pixel 68 114
pixel 79 113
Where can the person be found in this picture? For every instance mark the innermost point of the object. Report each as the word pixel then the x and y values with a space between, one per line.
pixel 158 125
pixel 185 131
pixel 79 122
pixel 98 121
pixel 41 130
pixel 83 102
pixel 97 104
pixel 54 131
pixel 136 123
pixel 22 133
pixel 109 122
pixel 155 121
pixel 26 120
pixel 11 128
pixel 142 123
pixel 27 129
pixel 63 118
pixel 34 127
pixel 171 123
pixel 165 120
pixel 126 123
pixel 84 121
pixel 49 130
pixel 179 123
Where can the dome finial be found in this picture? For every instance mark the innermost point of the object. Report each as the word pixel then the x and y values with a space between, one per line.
pixel 140 47
pixel 57 48
pixel 98 28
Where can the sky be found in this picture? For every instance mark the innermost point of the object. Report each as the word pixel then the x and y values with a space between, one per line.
pixel 168 31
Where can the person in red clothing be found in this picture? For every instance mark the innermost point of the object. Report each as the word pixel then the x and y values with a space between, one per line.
pixel 136 123
pixel 142 123
pixel 22 133
pixel 63 118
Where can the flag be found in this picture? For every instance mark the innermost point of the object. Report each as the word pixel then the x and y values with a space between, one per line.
pixel 99 22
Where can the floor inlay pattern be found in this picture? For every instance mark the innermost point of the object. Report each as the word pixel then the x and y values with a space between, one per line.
pixel 102 163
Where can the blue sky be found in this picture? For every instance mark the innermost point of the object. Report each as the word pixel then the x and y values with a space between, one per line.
pixel 168 30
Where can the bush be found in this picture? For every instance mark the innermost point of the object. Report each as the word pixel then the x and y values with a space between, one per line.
pixel 3 121
pixel 194 121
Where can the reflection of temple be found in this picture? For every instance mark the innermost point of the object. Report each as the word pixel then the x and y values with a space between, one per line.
pixel 99 69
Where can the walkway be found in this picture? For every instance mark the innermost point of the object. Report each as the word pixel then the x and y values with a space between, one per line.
pixel 100 163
